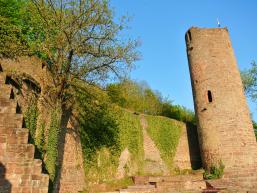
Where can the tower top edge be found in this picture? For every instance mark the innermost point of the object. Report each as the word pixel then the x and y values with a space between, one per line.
pixel 193 28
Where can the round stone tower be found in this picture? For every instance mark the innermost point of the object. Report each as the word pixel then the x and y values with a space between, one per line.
pixel 224 125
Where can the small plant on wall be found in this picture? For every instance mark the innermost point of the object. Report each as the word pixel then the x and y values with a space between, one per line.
pixel 215 172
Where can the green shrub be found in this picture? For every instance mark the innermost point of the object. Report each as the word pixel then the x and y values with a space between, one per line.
pixel 139 97
pixel 136 96
pixel 215 172
pixel 178 112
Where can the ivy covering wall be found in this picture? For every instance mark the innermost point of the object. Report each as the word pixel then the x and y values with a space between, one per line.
pixel 165 133
pixel 46 146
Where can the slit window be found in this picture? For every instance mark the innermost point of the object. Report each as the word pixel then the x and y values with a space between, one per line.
pixel 189 36
pixel 209 96
pixel 1 69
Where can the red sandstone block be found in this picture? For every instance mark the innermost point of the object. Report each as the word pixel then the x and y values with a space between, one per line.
pixel 37 166
pixel 3 130
pixel 18 136
pixel 44 180
pixel 8 106
pixel 36 183
pixel 210 191
pixel 23 135
pixel 10 168
pixel 27 170
pixel 36 177
pixel 16 189
pixel 20 151
pixel 2 148
pixel 30 151
pixel 35 190
pixel 26 190
pixel 44 190
pixel 140 179
pixel 19 170
pixel 6 130
pixel 4 94
pixel 27 163
pixel 3 138
pixel 23 169
pixel 11 120
pixel 25 180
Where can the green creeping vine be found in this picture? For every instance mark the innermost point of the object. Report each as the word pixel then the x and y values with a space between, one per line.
pixel 52 143
pixel 37 136
pixel 31 115
pixel 40 138
pixel 36 130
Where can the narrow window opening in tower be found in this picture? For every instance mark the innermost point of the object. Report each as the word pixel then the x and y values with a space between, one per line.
pixel 189 36
pixel 209 96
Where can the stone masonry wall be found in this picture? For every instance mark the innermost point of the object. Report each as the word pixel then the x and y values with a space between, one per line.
pixel 19 171
pixel 188 153
pixel 69 160
pixel 224 125
pixel 71 177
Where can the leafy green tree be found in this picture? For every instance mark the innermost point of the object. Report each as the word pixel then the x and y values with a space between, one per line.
pixel 11 28
pixel 136 96
pixel 178 112
pixel 152 102
pixel 80 44
pixel 79 40
pixel 249 78
pixel 115 93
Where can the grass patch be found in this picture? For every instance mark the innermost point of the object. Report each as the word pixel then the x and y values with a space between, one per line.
pixel 165 133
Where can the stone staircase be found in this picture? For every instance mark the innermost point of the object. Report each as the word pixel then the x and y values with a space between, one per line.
pixel 178 183
pixel 191 183
pixel 19 171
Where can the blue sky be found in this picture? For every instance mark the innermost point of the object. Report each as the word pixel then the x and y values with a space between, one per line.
pixel 161 25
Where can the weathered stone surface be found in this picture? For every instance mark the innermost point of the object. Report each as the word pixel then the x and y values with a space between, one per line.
pixel 124 159
pixel 19 171
pixel 224 125
pixel 188 153
pixel 153 161
pixel 71 176
pixel 163 184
